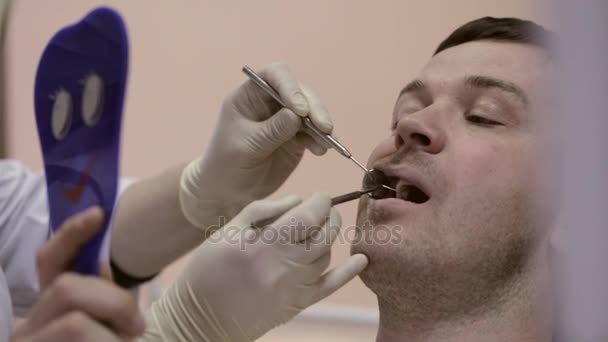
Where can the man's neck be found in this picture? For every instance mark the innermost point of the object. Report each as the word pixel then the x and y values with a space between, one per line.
pixel 522 314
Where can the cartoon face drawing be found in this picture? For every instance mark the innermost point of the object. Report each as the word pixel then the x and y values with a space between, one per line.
pixel 78 98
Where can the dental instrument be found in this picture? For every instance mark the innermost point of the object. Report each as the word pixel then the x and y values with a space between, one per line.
pixel 327 138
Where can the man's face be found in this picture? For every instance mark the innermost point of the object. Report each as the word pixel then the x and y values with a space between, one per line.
pixel 462 150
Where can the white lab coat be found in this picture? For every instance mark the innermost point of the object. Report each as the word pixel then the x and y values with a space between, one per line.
pixel 24 227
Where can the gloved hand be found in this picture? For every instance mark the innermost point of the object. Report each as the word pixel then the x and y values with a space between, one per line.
pixel 242 282
pixel 255 147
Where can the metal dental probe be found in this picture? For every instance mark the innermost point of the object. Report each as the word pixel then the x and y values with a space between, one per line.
pixel 351 196
pixel 327 138
pixel 374 177
pixel 376 189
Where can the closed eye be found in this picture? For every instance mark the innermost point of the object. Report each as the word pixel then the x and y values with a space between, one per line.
pixel 476 119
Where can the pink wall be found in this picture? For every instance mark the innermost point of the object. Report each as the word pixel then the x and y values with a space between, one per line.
pixel 187 54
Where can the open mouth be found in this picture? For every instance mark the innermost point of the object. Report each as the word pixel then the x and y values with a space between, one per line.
pixel 404 190
pixel 411 193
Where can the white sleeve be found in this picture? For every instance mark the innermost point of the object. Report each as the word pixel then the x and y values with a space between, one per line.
pixel 24 227
pixel 6 312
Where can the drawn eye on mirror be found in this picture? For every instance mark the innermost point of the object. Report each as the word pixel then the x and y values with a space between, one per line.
pixel 61 115
pixel 92 99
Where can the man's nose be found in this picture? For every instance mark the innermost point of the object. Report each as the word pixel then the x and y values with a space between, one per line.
pixel 420 131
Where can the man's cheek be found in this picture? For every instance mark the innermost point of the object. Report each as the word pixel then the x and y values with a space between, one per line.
pixel 483 161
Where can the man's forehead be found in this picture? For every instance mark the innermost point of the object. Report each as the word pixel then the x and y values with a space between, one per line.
pixel 519 64
pixel 517 69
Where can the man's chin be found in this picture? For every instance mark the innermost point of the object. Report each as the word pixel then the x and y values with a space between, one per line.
pixel 366 275
pixel 376 241
pixel 375 275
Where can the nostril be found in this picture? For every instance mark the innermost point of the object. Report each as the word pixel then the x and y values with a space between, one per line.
pixel 421 138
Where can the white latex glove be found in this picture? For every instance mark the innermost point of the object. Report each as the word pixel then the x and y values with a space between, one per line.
pixel 256 145
pixel 238 285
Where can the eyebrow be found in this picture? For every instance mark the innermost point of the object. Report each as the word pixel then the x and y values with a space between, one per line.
pixel 486 82
pixel 476 81
pixel 413 87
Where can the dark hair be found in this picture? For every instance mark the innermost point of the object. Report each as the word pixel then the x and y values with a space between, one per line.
pixel 500 29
